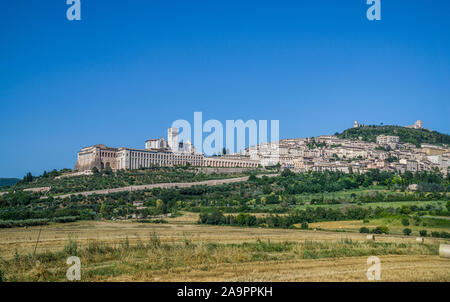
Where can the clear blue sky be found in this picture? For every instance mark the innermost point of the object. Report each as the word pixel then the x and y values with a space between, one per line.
pixel 128 69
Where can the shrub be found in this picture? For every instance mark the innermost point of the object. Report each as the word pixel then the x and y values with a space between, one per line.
pixel 124 244
pixel 155 242
pixel 252 178
pixel 22 223
pixel 71 248
pixel 65 219
pixel 304 225
pixel 441 234
pixel 381 230
pixel 405 221
pixel 152 221
pixel 2 277
pixel 364 230
pixel 423 233
pixel 407 232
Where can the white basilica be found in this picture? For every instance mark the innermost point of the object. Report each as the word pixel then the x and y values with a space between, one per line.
pixel 159 152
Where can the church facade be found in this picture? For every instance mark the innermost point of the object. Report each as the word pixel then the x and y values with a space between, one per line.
pixel 157 152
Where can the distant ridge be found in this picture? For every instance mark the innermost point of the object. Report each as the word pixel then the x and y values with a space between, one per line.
pixel 8 181
pixel 407 135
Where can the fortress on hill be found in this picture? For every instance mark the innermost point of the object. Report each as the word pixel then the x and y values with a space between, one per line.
pixel 157 152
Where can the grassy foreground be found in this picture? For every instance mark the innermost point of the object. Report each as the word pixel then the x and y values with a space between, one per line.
pixel 183 251
pixel 148 260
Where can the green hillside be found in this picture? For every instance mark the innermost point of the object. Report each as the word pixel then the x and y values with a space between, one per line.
pixel 8 181
pixel 406 135
pixel 109 179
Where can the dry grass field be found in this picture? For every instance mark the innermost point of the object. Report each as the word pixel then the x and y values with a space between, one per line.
pixel 181 250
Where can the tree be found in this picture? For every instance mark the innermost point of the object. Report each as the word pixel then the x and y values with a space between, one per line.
pixel 216 217
pixel 108 170
pixel 263 200
pixel 272 198
pixel 381 230
pixel 105 211
pixel 405 221
pixel 266 189
pixel 28 178
pixel 159 205
pixel 252 178
pixel 350 170
pixel 364 230
pixel 405 209
pixel 407 231
pixel 423 233
pixel 287 172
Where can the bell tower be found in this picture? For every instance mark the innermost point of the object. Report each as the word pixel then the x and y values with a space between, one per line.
pixel 172 138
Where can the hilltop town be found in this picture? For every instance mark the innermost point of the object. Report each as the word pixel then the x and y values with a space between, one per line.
pixel 326 152
pixel 329 152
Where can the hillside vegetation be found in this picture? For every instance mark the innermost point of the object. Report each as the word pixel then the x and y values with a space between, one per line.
pixel 300 197
pixel 406 135
pixel 261 229
pixel 108 179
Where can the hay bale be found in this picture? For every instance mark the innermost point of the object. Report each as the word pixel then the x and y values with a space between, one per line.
pixel 444 250
pixel 370 237
pixel 420 239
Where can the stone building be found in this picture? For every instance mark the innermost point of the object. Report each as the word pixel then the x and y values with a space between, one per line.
pixel 99 156
pixel 417 125
pixel 157 152
pixel 230 161
pixel 156 143
pixel 322 153
pixel 387 140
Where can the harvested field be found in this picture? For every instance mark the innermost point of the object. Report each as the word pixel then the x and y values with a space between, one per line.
pixel 394 268
pixel 185 251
